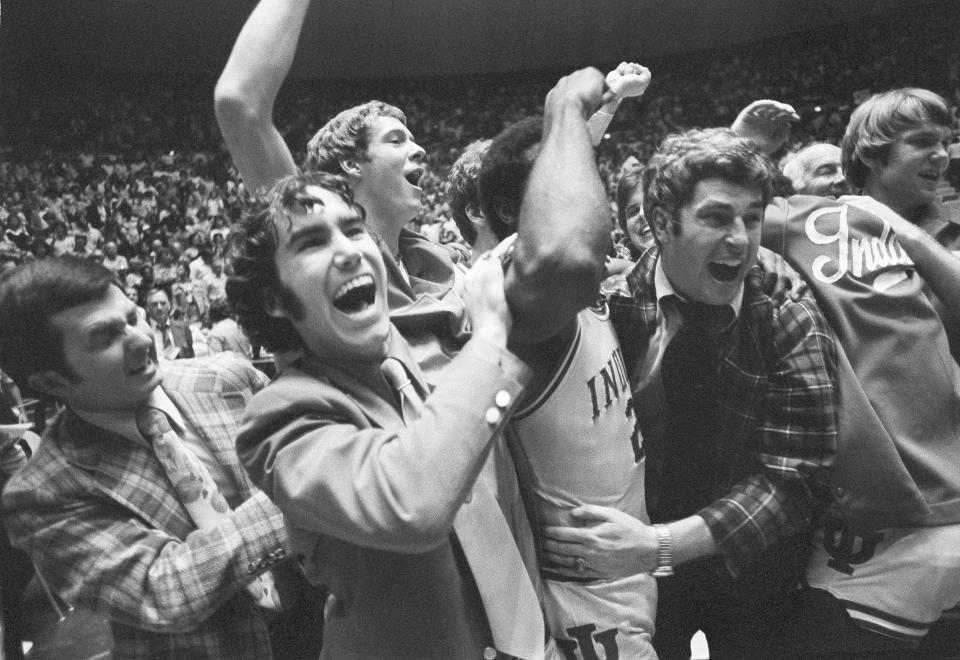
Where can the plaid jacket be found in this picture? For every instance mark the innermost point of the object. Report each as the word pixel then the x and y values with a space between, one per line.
pixel 777 430
pixel 99 517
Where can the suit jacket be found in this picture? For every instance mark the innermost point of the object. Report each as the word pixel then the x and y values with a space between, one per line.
pixel 428 310
pixel 180 335
pixel 371 501
pixel 98 515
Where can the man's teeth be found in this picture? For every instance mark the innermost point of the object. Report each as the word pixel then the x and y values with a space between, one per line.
pixel 725 270
pixel 355 295
pixel 362 280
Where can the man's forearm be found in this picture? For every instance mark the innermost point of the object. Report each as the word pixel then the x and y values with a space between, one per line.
pixel 263 53
pixel 600 120
pixel 691 540
pixel 564 229
pixel 248 87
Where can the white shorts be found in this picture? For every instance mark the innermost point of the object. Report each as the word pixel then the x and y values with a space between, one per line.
pixel 602 620
pixel 895 581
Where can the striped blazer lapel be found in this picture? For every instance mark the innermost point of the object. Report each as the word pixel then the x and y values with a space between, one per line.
pixel 125 472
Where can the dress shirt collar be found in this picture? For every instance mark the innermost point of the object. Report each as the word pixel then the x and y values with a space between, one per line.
pixel 124 423
pixel 665 289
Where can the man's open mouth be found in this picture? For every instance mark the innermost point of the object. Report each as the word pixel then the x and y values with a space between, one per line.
pixel 355 295
pixel 725 271
pixel 933 177
pixel 140 366
pixel 413 176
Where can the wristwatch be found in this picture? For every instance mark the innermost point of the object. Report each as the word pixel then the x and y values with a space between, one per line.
pixel 664 552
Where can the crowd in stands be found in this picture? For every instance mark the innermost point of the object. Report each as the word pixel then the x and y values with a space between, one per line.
pixel 133 172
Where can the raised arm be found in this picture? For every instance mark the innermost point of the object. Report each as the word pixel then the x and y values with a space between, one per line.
pixel 564 226
pixel 248 87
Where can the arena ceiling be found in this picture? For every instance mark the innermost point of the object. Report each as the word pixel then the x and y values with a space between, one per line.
pixel 374 38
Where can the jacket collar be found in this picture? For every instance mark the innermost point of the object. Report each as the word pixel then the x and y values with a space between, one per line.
pixel 363 382
pixel 119 469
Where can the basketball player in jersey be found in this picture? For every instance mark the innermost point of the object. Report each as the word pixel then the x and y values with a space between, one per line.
pixel 573 437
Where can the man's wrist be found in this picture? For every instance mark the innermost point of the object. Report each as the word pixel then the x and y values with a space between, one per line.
pixel 664 552
pixel 610 107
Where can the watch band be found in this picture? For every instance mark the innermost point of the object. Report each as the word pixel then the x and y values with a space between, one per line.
pixel 664 552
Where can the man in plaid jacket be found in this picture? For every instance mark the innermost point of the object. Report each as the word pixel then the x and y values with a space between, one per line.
pixel 739 425
pixel 95 509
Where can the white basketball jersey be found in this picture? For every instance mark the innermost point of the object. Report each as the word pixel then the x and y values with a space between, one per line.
pixel 576 443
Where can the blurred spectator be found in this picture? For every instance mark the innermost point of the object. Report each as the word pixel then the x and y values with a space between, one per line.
pixel 164 270
pixel 115 263
pixel 215 282
pixel 172 337
pixel 62 243
pixel 225 334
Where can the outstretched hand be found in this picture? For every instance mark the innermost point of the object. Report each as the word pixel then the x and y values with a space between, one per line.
pixel 767 123
pixel 607 542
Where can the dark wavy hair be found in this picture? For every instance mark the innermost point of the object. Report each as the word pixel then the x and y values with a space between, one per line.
pixel 504 173
pixel 685 159
pixel 463 188
pixel 32 293
pixel 346 136
pixel 253 245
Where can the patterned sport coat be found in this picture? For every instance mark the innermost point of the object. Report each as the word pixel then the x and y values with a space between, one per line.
pixel 100 519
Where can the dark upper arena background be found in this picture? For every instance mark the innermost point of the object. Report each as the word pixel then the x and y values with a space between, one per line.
pixel 385 38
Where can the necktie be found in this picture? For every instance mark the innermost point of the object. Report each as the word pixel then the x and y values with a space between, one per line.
pixel 165 333
pixel 195 488
pixel 509 599
pixel 690 387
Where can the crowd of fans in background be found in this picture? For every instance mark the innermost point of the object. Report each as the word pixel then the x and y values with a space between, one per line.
pixel 133 172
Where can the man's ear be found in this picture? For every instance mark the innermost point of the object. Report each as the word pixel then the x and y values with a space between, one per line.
pixel 659 224
pixel 270 303
pixel 506 210
pixel 872 163
pixel 350 166
pixel 475 216
pixel 51 382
